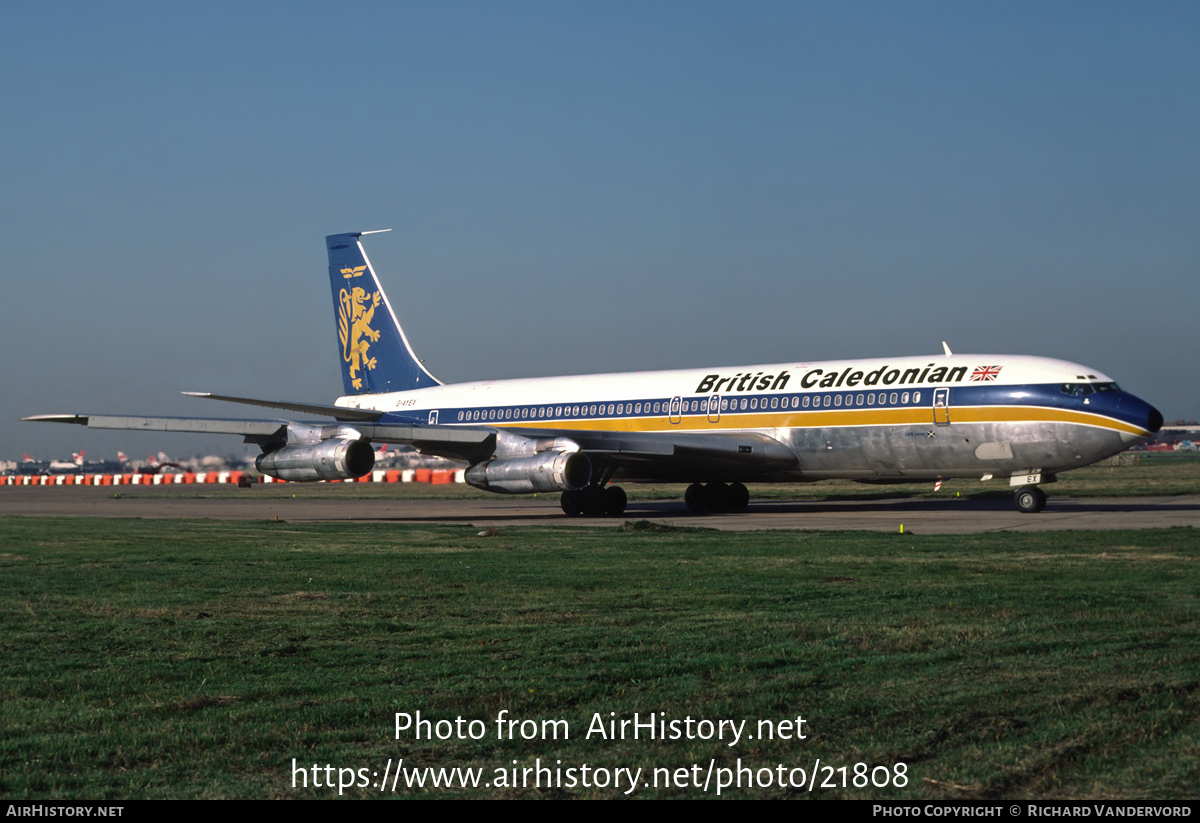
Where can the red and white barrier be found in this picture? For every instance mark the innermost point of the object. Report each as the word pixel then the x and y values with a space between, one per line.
pixel 434 477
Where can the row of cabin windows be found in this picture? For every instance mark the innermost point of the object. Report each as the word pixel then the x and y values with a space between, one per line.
pixel 660 407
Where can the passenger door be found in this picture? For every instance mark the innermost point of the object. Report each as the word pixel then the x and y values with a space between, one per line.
pixel 941 407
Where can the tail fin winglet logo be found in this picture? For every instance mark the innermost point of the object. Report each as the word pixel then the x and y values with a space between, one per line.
pixel 354 272
pixel 355 313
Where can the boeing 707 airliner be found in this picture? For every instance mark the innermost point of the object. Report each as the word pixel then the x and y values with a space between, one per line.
pixel 879 420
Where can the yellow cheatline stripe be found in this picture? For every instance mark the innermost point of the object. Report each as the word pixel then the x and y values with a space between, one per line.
pixel 1006 414
pixel 796 419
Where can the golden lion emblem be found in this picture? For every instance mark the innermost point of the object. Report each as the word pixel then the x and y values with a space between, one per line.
pixel 354 330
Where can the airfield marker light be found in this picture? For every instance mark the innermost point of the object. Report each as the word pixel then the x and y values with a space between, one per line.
pixel 901 528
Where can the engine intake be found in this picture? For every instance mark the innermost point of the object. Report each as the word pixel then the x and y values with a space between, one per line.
pixel 543 472
pixel 327 460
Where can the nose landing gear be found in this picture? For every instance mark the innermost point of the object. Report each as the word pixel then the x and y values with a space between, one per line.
pixel 1029 499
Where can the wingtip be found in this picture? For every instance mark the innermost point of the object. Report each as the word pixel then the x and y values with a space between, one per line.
pixel 56 418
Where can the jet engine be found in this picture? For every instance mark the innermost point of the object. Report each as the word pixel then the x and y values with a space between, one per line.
pixel 336 459
pixel 548 471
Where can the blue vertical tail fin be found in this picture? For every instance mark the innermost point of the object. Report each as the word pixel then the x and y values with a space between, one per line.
pixel 374 353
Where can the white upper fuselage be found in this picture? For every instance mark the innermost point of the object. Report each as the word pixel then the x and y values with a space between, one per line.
pixel 800 376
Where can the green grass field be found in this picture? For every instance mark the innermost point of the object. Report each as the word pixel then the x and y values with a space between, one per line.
pixel 197 659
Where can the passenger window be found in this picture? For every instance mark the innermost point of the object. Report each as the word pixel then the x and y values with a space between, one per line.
pixel 904 397
pixel 871 399
pixel 816 401
pixel 805 403
pixel 858 401
pixel 893 398
pixel 754 402
pixel 460 417
pixel 828 399
pixel 837 400
pixel 916 397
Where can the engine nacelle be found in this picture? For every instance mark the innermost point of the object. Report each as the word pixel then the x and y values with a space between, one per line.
pixel 327 460
pixel 549 471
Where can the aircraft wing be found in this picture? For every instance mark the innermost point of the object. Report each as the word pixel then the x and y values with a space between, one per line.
pixel 217 425
pixel 665 454
pixel 471 444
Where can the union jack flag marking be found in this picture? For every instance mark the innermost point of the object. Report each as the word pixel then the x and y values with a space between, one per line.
pixel 986 373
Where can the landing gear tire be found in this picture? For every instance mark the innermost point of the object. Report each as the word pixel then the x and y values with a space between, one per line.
pixel 1029 499
pixel 718 497
pixel 739 497
pixel 595 502
pixel 614 501
pixel 572 503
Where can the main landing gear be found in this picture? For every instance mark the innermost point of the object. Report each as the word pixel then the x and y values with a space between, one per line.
pixel 594 501
pixel 716 497
pixel 1029 499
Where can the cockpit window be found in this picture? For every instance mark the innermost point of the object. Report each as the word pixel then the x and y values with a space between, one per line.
pixel 1084 389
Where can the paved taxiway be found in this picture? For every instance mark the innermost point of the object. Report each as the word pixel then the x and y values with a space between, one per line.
pixel 921 516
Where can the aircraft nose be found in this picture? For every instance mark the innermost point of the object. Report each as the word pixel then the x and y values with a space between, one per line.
pixel 1155 420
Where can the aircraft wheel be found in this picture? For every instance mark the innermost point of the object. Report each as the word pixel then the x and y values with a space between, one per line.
pixel 572 503
pixel 696 498
pixel 1030 499
pixel 718 497
pixel 595 502
pixel 739 497
pixel 614 501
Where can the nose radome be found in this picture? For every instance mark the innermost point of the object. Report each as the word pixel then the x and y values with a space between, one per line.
pixel 1155 420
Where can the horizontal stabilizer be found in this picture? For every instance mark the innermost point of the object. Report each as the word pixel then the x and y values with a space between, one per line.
pixel 336 412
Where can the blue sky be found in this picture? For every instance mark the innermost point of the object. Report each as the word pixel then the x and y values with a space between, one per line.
pixel 587 187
